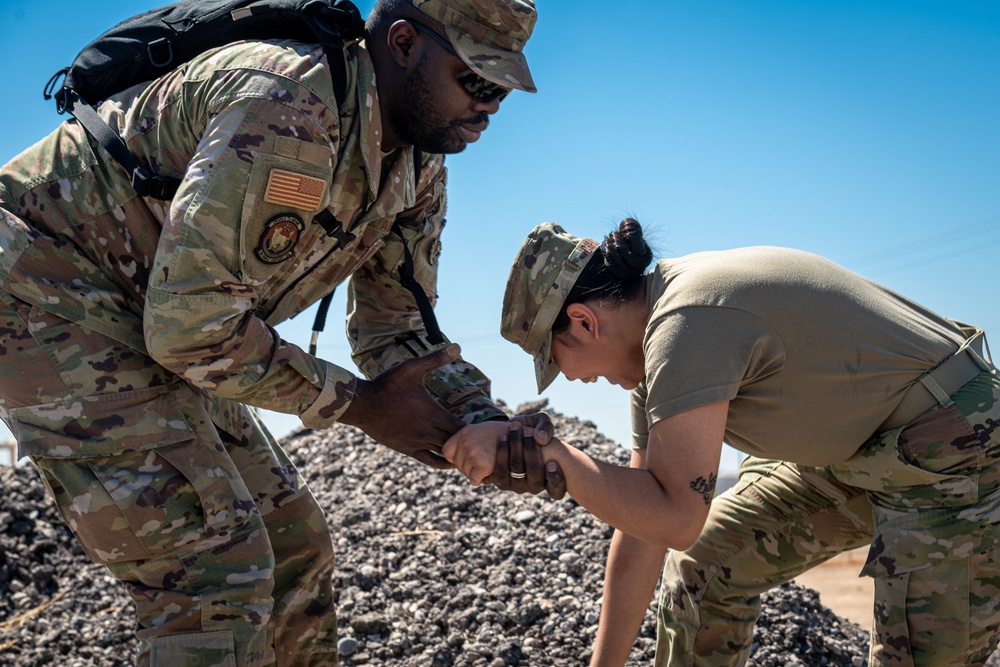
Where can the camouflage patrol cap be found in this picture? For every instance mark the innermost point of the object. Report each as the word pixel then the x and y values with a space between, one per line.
pixel 547 266
pixel 489 35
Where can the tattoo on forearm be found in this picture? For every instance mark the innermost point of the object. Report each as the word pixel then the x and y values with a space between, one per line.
pixel 705 487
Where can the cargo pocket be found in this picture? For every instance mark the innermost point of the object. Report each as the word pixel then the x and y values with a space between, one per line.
pixel 127 472
pixel 922 618
pixel 923 483
pixel 203 649
pixel 890 469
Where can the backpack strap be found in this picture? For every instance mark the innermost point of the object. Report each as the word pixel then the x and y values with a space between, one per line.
pixel 144 181
pixel 142 178
pixel 406 279
pixel 336 229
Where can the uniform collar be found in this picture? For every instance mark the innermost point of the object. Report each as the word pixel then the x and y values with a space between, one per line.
pixel 372 134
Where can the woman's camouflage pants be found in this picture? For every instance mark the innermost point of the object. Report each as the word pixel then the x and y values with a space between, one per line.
pixel 925 496
pixel 224 551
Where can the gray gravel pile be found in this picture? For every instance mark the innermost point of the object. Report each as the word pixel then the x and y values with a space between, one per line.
pixel 794 629
pixel 430 572
pixel 56 608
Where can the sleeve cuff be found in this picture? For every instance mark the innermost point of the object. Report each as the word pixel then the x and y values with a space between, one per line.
pixel 334 399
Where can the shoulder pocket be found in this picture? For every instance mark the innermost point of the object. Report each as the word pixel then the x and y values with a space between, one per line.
pixel 282 197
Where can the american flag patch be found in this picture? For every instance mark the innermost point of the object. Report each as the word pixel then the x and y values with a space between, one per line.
pixel 290 189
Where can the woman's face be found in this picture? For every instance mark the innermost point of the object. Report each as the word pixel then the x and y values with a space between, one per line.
pixel 588 358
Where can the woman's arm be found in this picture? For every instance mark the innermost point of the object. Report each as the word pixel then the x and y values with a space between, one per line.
pixel 629 581
pixel 665 504
pixel 632 572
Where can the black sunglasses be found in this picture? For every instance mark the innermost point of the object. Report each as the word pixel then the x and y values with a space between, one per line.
pixel 481 89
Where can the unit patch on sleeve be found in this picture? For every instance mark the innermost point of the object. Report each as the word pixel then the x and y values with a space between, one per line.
pixel 286 188
pixel 277 241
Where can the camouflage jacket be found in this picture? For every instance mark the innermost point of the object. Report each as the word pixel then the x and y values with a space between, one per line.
pixel 261 145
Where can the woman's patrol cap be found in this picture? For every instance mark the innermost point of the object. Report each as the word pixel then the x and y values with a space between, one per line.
pixel 489 36
pixel 546 269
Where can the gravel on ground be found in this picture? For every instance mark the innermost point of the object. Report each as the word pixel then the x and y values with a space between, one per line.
pixel 430 572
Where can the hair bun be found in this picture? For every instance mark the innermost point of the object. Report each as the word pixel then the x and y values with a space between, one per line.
pixel 626 253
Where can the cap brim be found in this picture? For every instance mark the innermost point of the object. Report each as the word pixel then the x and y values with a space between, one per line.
pixel 505 68
pixel 546 370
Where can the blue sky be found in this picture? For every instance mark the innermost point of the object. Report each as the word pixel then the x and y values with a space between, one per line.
pixel 866 132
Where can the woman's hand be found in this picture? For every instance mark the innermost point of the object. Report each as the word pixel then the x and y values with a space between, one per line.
pixel 473 450
pixel 507 455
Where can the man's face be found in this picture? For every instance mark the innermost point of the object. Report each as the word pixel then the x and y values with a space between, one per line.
pixel 433 111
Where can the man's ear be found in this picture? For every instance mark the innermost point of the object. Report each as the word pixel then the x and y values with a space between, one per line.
pixel 583 321
pixel 400 41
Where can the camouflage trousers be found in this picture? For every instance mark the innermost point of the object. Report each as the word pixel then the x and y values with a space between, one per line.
pixel 224 551
pixel 926 497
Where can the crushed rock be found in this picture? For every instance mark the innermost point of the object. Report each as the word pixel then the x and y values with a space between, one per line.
pixel 430 572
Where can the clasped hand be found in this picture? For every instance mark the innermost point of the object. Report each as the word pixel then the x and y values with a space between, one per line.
pixel 506 455
pixel 396 410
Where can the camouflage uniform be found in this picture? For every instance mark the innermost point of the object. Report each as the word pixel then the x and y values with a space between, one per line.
pixel 924 492
pixel 134 333
pixel 926 496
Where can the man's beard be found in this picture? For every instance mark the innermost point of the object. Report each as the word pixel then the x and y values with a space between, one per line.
pixel 418 122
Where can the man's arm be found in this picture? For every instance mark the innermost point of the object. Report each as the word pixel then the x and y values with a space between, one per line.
pixel 213 278
pixel 395 409
pixel 201 318
pixel 384 325
pixel 388 334
pixel 206 283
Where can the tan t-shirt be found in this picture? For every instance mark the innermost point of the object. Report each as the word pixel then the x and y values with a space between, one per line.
pixel 812 357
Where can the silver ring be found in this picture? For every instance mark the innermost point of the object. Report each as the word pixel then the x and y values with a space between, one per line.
pixel 518 475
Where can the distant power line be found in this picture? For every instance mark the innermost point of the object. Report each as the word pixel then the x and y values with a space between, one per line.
pixel 920 252
pixel 931 249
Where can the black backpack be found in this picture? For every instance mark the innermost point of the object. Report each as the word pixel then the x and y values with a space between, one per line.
pixel 151 44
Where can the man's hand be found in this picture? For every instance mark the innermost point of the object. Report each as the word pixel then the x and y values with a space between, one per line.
pixel 396 409
pixel 506 455
pixel 540 425
pixel 518 453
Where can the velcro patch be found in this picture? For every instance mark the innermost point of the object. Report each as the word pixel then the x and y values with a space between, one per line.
pixel 287 188
pixel 277 242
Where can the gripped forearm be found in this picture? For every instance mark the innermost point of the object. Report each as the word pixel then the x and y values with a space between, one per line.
pixel 630 499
